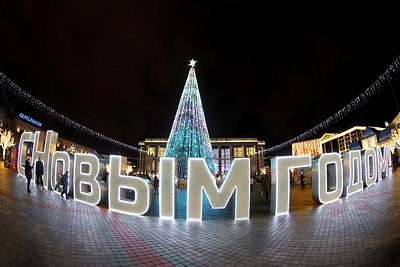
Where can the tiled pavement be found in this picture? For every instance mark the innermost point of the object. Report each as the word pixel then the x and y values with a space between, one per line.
pixel 41 229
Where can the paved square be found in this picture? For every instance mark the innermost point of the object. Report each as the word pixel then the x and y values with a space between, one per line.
pixel 42 229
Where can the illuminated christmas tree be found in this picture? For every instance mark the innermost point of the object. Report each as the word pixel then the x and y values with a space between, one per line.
pixel 189 135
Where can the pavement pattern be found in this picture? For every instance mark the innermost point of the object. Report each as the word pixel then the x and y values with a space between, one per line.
pixel 42 229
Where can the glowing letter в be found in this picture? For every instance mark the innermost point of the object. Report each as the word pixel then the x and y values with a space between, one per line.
pixel 280 181
pixel 200 179
pixel 352 174
pixel 369 167
pixel 49 148
pixel 26 137
pixel 117 182
pixel 320 183
pixel 86 172
pixel 168 189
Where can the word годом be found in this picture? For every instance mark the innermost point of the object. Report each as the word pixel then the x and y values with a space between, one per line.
pixel 332 177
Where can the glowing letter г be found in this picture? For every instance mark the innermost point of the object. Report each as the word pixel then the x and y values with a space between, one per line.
pixel 280 181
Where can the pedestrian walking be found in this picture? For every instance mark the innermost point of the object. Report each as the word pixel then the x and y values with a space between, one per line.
pixel 156 185
pixel 64 182
pixel 28 174
pixel 395 158
pixel 39 172
pixel 302 180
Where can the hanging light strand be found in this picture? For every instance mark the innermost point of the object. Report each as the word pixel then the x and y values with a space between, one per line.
pixel 361 99
pixel 21 94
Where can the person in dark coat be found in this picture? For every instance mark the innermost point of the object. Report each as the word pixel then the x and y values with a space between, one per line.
pixel 156 185
pixel 302 180
pixel 395 158
pixel 64 181
pixel 28 174
pixel 39 172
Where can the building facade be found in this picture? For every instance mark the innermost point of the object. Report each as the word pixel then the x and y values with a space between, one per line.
pixel 225 150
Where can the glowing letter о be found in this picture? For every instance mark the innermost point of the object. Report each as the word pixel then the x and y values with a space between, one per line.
pixel 324 178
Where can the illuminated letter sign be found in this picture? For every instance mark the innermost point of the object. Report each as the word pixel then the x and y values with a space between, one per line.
pixel 352 175
pixel 63 158
pixel 369 167
pixel 120 183
pixel 199 179
pixel 167 188
pixel 49 147
pixel 325 179
pixel 86 172
pixel 26 137
pixel 383 162
pixel 332 178
pixel 280 181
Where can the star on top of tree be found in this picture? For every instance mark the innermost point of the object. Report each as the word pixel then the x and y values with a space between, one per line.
pixel 192 63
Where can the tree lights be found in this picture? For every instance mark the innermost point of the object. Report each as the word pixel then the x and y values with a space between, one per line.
pixel 189 135
pixel 6 140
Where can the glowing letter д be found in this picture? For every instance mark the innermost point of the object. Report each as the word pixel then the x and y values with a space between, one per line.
pixel 352 175
pixel 370 168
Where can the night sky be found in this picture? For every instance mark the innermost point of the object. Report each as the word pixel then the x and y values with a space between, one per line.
pixel 265 71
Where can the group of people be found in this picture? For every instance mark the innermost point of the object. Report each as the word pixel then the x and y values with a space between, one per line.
pixel 63 181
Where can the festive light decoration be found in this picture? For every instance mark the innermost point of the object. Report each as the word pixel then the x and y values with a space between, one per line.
pixel 376 87
pixel 308 147
pixel 6 141
pixel 189 135
pixel 5 82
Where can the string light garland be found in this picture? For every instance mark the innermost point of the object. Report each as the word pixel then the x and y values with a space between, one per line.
pixel 376 87
pixel 23 95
